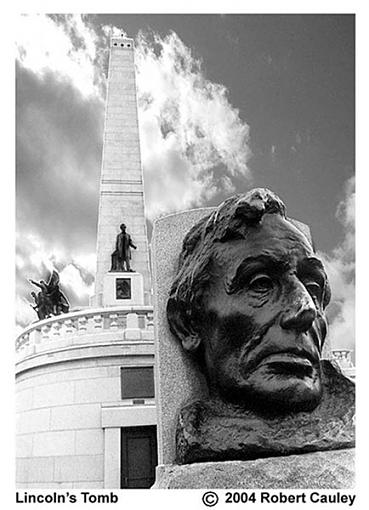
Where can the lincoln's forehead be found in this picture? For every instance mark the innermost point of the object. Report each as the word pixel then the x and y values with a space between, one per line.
pixel 275 237
pixel 274 227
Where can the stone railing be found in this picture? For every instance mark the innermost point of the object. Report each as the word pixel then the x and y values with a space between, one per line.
pixel 84 326
pixel 343 358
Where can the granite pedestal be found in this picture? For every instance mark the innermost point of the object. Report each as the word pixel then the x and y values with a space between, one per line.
pixel 319 470
pixel 123 288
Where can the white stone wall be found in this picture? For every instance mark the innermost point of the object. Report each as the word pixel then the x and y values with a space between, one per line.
pixel 60 437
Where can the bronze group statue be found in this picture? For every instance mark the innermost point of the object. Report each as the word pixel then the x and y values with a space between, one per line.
pixel 42 305
pixel 248 305
pixel 50 300
pixel 121 257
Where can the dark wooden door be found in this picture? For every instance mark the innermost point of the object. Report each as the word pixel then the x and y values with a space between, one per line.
pixel 138 457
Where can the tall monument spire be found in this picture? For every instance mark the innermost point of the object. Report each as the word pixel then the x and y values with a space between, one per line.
pixel 121 185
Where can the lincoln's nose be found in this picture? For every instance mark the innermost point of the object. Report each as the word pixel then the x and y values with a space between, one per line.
pixel 301 312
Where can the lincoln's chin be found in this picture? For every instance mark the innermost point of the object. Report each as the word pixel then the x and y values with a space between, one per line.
pixel 285 386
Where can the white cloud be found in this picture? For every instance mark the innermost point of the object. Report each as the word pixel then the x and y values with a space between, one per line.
pixel 24 313
pixel 72 281
pixel 188 128
pixel 111 31
pixel 33 253
pixel 86 260
pixel 63 45
pixel 340 267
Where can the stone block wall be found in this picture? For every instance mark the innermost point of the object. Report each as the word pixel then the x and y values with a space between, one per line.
pixel 60 435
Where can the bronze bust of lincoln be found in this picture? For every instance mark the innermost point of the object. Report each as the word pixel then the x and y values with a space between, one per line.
pixel 248 305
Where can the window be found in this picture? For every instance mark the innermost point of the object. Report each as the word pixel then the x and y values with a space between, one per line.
pixel 137 382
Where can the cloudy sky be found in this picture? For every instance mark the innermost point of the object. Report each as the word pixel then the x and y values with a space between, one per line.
pixel 226 102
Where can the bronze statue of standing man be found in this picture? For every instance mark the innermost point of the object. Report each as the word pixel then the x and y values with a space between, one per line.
pixel 120 258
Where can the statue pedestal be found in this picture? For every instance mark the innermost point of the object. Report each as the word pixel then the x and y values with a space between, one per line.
pixel 319 470
pixel 123 288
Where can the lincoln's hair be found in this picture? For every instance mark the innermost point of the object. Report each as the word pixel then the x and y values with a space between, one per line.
pixel 229 221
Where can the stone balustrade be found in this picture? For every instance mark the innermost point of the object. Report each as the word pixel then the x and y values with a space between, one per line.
pixel 87 326
pixel 343 358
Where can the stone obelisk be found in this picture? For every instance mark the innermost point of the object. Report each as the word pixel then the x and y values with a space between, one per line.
pixel 121 186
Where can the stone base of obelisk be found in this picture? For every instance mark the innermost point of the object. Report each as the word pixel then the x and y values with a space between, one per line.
pixel 320 470
pixel 123 289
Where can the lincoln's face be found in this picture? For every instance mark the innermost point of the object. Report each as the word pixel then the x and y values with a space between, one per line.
pixel 263 325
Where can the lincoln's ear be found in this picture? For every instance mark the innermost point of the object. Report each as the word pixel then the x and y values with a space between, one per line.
pixel 191 342
pixel 182 328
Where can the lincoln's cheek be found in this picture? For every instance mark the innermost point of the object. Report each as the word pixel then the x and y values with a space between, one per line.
pixel 229 333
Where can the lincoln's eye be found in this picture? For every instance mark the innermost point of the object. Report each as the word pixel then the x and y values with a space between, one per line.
pixel 314 289
pixel 261 283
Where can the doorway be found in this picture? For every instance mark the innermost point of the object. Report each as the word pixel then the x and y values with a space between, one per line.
pixel 138 457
